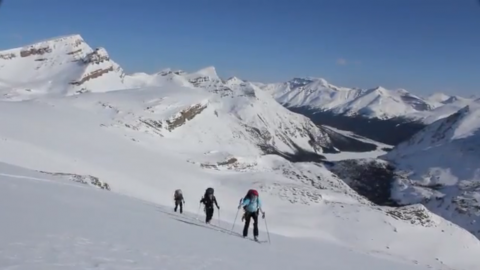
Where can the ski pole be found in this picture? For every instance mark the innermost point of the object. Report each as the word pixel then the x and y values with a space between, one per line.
pixel 219 224
pixel 268 234
pixel 235 220
pixel 198 211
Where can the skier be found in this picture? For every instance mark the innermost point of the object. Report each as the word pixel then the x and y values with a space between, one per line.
pixel 208 200
pixel 179 200
pixel 252 206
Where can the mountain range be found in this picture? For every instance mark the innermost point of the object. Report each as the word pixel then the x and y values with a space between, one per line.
pixel 391 116
pixel 69 109
pixel 388 116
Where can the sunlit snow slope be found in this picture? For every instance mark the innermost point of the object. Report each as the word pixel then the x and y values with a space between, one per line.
pixel 51 224
pixel 193 130
pixel 441 164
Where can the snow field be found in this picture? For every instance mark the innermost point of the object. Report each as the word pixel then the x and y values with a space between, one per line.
pixel 52 225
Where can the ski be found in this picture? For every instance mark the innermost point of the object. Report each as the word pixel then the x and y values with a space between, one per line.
pixel 260 241
pixel 252 239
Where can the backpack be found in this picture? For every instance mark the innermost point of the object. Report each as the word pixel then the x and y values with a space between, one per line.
pixel 178 194
pixel 250 194
pixel 209 191
pixel 252 205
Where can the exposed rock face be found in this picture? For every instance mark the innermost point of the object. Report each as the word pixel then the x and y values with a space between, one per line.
pixel 84 179
pixel 415 214
pixel 99 55
pixel 371 178
pixel 99 60
pixel 92 75
pixel 35 51
pixel 185 115
pixel 7 56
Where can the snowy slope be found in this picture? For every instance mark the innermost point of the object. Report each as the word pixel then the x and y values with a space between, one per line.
pixel 81 135
pixel 49 224
pixel 441 164
pixel 63 65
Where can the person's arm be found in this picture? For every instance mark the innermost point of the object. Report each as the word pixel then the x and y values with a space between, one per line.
pixel 202 200
pixel 243 203
pixel 215 201
pixel 260 208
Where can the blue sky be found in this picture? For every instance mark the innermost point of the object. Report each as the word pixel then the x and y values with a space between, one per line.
pixel 421 45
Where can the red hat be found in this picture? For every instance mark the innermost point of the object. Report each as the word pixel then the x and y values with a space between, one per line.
pixel 254 192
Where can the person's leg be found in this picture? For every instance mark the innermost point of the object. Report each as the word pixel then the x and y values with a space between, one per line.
pixel 247 224
pixel 176 205
pixel 255 224
pixel 212 210
pixel 181 207
pixel 209 214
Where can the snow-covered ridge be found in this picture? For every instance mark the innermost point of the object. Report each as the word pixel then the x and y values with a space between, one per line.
pixel 462 124
pixel 65 65
pixel 440 167
pixel 378 102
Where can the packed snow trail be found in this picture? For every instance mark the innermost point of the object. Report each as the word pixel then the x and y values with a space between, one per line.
pixel 60 225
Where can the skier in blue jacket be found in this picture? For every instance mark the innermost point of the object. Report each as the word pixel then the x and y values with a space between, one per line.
pixel 252 206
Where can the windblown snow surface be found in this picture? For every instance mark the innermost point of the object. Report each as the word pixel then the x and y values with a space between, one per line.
pixel 172 130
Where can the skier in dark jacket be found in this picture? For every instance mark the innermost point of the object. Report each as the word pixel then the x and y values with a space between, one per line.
pixel 252 206
pixel 208 200
pixel 179 200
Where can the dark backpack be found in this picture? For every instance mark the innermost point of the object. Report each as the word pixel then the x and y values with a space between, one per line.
pixel 178 194
pixel 209 191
